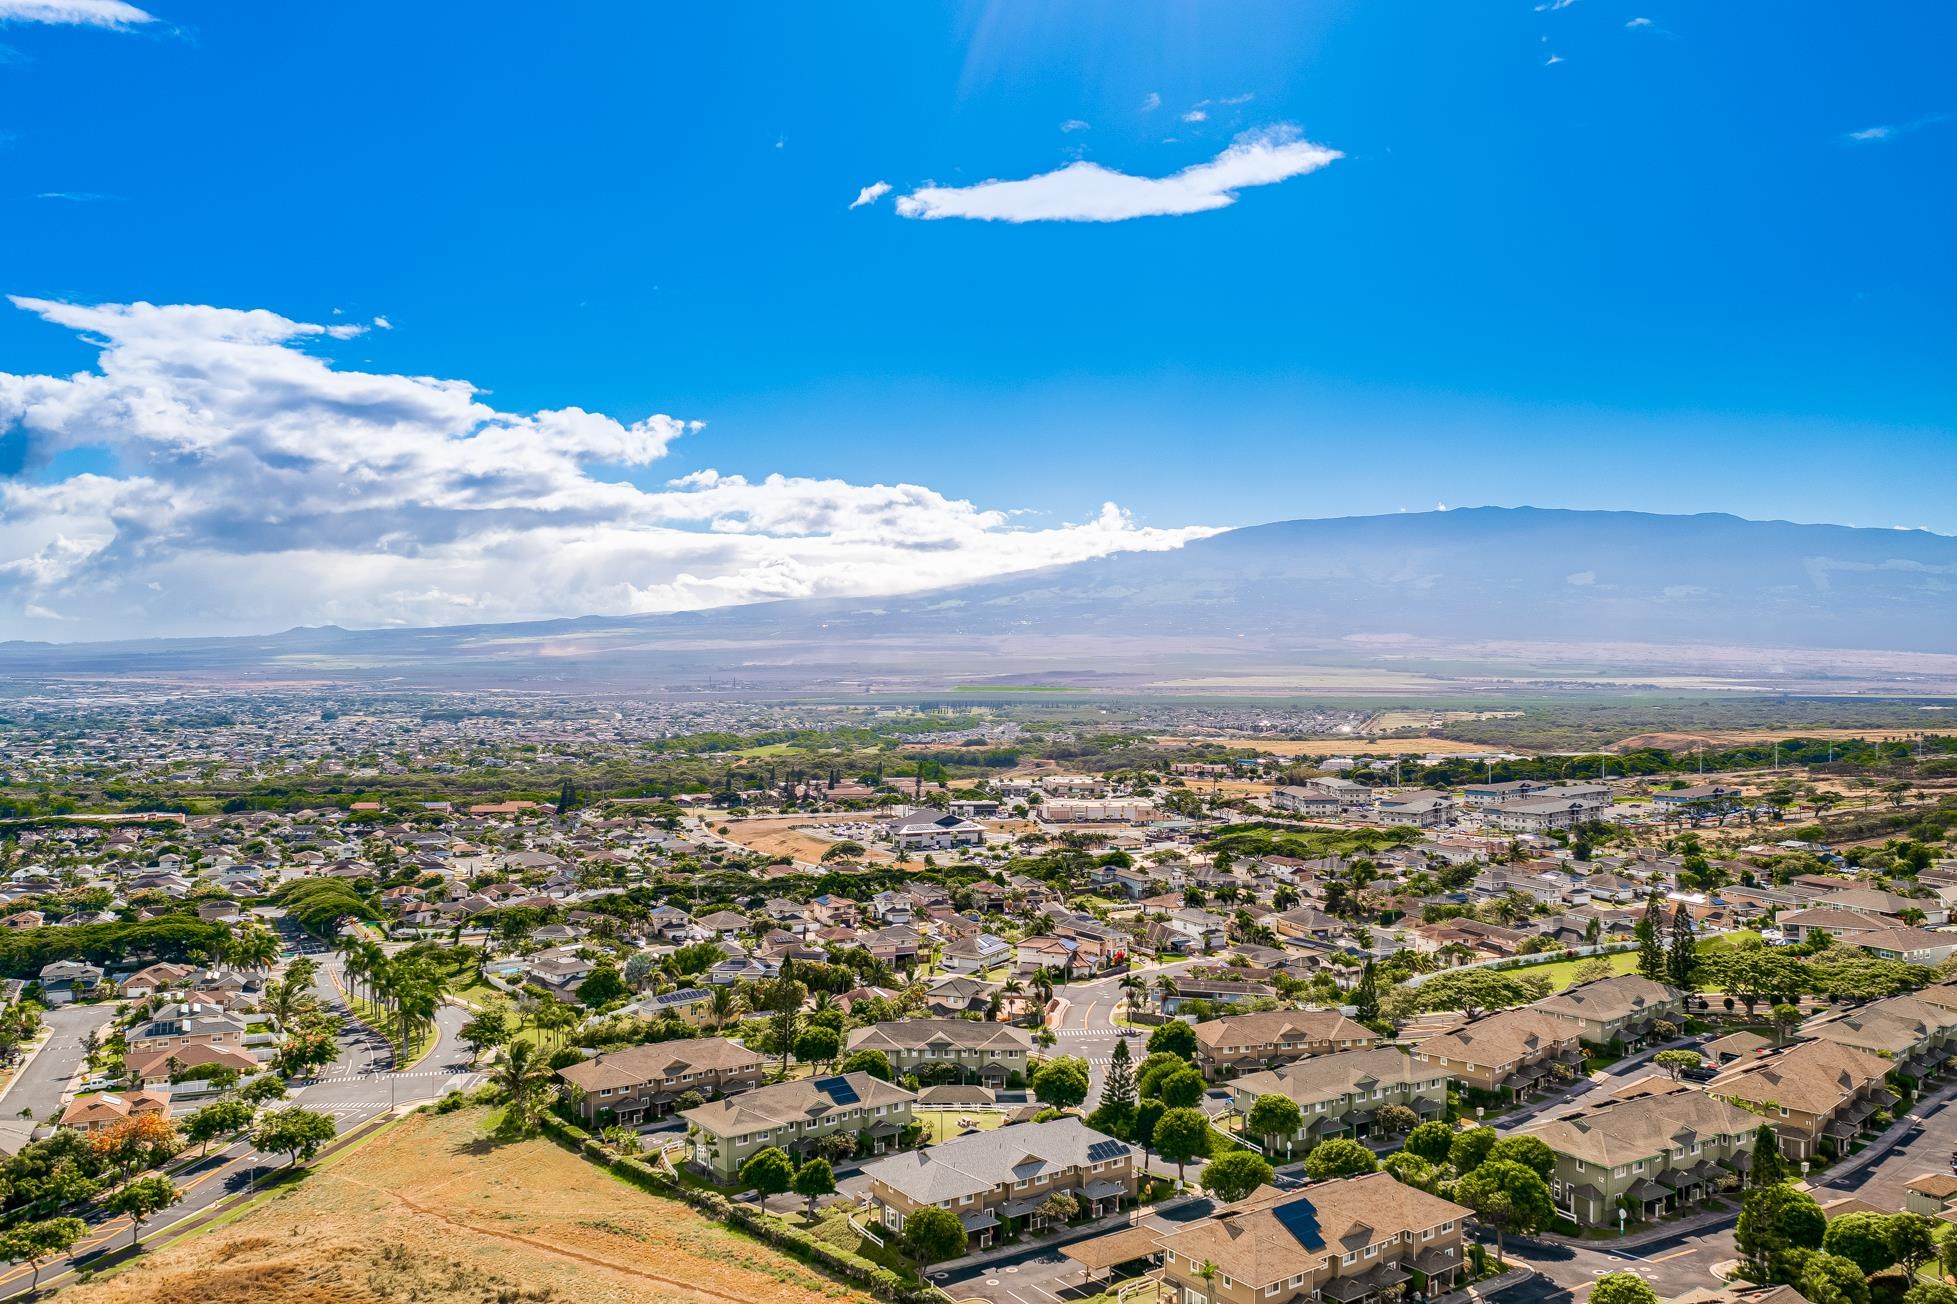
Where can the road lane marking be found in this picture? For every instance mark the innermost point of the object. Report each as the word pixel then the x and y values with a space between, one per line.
pixel 1675 1254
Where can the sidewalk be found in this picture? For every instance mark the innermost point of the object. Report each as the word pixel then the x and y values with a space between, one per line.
pixel 1483 1290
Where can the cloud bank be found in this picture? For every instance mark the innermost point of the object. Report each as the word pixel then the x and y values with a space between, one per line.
pixel 1088 192
pixel 242 483
pixel 80 13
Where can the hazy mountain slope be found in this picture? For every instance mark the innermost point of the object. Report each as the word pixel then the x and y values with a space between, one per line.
pixel 1263 593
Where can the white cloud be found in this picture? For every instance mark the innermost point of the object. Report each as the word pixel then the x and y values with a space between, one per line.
pixel 1195 115
pixel 382 323
pixel 82 13
pixel 1074 124
pixel 1639 22
pixel 1891 130
pixel 1552 60
pixel 253 485
pixel 1088 192
pixel 1551 6
pixel 870 194
pixel 1151 102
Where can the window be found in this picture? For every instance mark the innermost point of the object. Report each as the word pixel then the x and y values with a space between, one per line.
pixel 1351 1256
pixel 1372 1251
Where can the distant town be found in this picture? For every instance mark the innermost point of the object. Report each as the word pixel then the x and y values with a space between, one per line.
pixel 1171 1002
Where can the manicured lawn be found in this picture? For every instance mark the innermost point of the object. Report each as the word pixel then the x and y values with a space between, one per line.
pixel 832 1225
pixel 1561 973
pixel 941 1125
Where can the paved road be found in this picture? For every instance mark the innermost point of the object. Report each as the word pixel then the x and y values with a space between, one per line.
pixel 356 1087
pixel 39 1086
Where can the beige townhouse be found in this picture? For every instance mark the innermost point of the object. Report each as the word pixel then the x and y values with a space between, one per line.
pixel 986 1053
pixel 1342 1093
pixel 1916 1036
pixel 1239 1042
pixel 1513 1050
pixel 1817 1094
pixel 642 1082
pixel 188 1024
pixel 1004 1180
pixel 1621 1009
pixel 1646 1156
pixel 1351 1241
pixel 795 1115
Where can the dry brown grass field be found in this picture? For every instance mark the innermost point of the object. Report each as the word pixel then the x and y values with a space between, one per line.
pixel 1335 746
pixel 434 1210
pixel 1680 741
pixel 780 836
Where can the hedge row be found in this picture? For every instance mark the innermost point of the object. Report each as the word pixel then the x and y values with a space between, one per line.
pixel 880 1281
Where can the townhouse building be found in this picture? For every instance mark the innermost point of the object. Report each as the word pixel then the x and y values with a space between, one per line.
pixel 1513 1050
pixel 989 1054
pixel 1237 1043
pixel 1839 922
pixel 1621 1009
pixel 1339 1095
pixel 975 953
pixel 1418 809
pixel 1648 1155
pixel 1311 802
pixel 1916 1036
pixel 928 829
pixel 1817 1094
pixel 1002 1180
pixel 1911 945
pixel 795 1115
pixel 639 1083
pixel 1355 1240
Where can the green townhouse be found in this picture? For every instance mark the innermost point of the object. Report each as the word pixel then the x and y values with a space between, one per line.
pixel 1621 1009
pixel 1646 1156
pixel 795 1115
pixel 1341 1095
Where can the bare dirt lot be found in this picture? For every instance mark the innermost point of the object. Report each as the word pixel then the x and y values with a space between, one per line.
pixel 434 1210
pixel 781 836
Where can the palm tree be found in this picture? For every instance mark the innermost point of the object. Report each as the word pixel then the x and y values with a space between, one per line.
pixel 723 1006
pixel 1208 1273
pixel 524 1076
pixel 1165 987
pixel 253 948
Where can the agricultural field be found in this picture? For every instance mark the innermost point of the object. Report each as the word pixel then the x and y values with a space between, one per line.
pixel 436 1209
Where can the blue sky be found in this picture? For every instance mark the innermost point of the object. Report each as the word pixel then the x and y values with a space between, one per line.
pixel 1675 258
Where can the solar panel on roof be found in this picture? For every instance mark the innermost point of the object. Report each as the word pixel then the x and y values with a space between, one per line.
pixel 1104 1150
pixel 837 1089
pixel 1300 1218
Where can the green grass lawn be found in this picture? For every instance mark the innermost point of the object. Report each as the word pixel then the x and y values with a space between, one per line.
pixel 832 1225
pixel 941 1125
pixel 1561 973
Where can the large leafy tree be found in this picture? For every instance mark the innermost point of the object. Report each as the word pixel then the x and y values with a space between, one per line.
pixel 1431 1141
pixel 1233 1176
pixel 769 1171
pixel 1767 1167
pixel 1182 1135
pixel 1272 1116
pixel 36 1242
pixel 140 1199
pixel 1182 1088
pixel 1861 1238
pixel 294 1132
pixel 219 1118
pixel 1470 1148
pixel 1061 1082
pixel 932 1235
pixel 1339 1157
pixel 1506 1196
pixel 813 1180
pixel 1173 1038
pixel 1773 1220
pixel 1622 1288
pixel 1531 1152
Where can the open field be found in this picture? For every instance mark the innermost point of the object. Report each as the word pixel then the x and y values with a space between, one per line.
pixel 1683 741
pixel 1561 973
pixel 1333 746
pixel 435 1210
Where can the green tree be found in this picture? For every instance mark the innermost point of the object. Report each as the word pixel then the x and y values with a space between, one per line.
pixel 1182 1135
pixel 1365 997
pixel 1233 1176
pixel 1676 1062
pixel 817 1044
pixel 1148 1113
pixel 1273 1116
pixel 932 1235
pixel 1651 951
pixel 1182 1089
pixel 844 850
pixel 140 1199
pixel 873 1062
pixel 1822 1278
pixel 1529 1151
pixel 1861 1238
pixel 295 1132
pixel 526 1080
pixel 1061 1082
pixel 1622 1288
pixel 1912 1240
pixel 219 1118
pixel 1119 1089
pixel 781 999
pixel 1767 1167
pixel 1431 1141
pixel 813 1180
pixel 492 1026
pixel 1339 1157
pixel 603 987
pixel 1774 1219
pixel 1159 1065
pixel 1681 960
pixel 1410 1169
pixel 1930 1292
pixel 1173 1038
pixel 1470 1148
pixel 1506 1196
pixel 36 1242
pixel 1395 1120
pixel 769 1172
